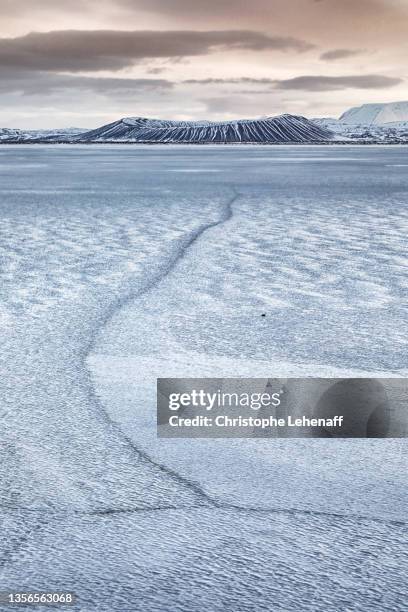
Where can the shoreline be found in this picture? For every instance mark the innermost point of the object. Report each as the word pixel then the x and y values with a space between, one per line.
pixel 144 143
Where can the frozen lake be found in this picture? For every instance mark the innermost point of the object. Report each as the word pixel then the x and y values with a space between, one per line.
pixel 120 264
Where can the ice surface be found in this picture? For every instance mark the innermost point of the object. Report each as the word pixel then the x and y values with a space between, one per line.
pixel 219 560
pixel 123 261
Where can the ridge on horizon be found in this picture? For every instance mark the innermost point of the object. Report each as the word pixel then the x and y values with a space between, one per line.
pixel 387 122
pixel 281 128
pixel 378 113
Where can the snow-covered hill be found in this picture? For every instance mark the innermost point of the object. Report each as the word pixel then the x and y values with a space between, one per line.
pixel 14 135
pixel 388 133
pixel 10 134
pixel 284 128
pixel 376 114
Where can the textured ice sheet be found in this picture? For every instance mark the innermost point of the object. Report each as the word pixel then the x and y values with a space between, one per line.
pixel 295 249
pixel 221 560
pixel 74 246
pixel 349 477
pixel 318 246
pixel 86 492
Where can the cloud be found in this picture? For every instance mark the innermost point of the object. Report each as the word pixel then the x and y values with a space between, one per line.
pixel 336 54
pixel 81 50
pixel 27 82
pixel 39 83
pixel 237 80
pixel 309 83
pixel 329 83
pixel 156 70
pixel 326 21
pixel 241 8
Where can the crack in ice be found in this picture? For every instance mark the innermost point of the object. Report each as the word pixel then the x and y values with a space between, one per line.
pixel 216 505
pixel 183 248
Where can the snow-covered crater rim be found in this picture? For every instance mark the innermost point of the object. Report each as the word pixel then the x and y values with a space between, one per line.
pixel 164 123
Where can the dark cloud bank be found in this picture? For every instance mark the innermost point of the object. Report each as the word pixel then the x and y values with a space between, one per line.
pixel 39 83
pixel 80 50
pixel 337 54
pixel 329 83
pixel 311 82
pixel 27 83
pixel 38 63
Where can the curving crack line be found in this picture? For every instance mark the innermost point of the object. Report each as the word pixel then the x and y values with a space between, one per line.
pixel 225 506
pixel 181 251
pixel 207 500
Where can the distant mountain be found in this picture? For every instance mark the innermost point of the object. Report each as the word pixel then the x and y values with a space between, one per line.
pixel 396 132
pixel 284 128
pixel 9 134
pixel 376 114
pixel 13 135
pixel 280 129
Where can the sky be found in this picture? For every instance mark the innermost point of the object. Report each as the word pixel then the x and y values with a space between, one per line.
pixel 85 63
